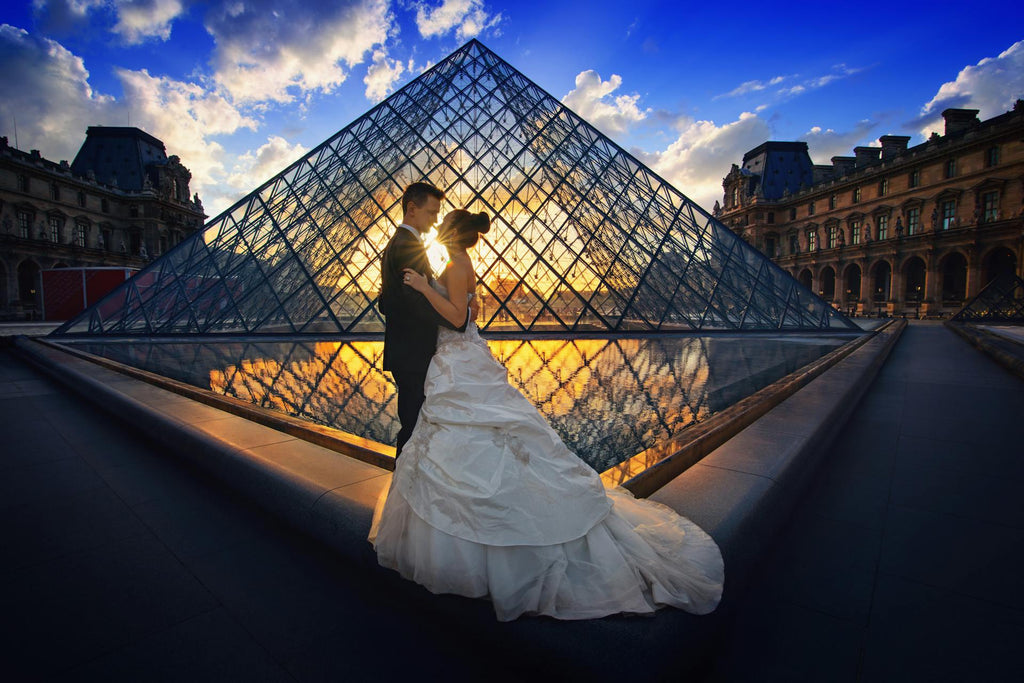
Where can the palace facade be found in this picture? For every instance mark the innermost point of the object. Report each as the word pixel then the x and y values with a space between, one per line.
pixel 122 202
pixel 891 230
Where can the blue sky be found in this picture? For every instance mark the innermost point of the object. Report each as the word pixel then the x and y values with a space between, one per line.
pixel 240 88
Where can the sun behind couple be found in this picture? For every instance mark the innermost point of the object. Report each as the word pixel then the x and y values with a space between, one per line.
pixel 486 501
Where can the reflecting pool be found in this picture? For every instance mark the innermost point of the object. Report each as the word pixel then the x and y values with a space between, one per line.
pixel 609 399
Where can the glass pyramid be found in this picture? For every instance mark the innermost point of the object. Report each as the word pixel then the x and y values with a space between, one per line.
pixel 1002 300
pixel 584 237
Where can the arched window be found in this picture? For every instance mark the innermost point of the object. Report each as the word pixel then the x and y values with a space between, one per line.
pixel 828 284
pixel 954 278
pixel 914 274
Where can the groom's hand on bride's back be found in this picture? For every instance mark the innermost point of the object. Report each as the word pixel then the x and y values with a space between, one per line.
pixel 474 308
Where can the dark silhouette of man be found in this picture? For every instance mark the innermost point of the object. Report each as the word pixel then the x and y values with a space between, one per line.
pixel 410 322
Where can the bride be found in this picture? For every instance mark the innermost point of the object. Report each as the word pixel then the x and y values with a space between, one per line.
pixel 487 502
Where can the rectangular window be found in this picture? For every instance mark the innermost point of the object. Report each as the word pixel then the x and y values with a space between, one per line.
pixel 81 199
pixel 104 205
pixel 23 183
pixel 883 187
pixel 913 221
pixel 25 224
pixel 810 209
pixel 915 178
pixel 951 168
pixel 792 214
pixel 990 206
pixel 794 244
pixel 883 227
pixel 106 236
pixel 855 232
pixel 948 214
pixel 55 229
pixel 81 230
pixel 771 216
pixel 832 202
pixel 812 240
pixel 833 236
pixel 769 247
pixel 992 157
pixel 856 195
pixel 55 192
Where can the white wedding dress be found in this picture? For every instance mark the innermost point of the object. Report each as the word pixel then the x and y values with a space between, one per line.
pixel 487 502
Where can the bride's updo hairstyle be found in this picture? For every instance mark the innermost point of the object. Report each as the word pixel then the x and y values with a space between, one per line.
pixel 465 228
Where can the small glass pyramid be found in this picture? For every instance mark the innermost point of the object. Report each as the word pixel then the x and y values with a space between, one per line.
pixel 584 237
pixel 1001 300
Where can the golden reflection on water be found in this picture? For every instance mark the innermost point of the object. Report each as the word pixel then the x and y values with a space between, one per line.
pixel 609 399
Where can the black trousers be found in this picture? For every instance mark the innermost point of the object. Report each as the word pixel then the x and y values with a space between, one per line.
pixel 410 399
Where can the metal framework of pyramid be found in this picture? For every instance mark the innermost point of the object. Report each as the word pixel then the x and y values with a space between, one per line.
pixel 583 238
pixel 1002 300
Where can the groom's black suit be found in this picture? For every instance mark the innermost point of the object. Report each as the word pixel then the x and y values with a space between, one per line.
pixel 410 326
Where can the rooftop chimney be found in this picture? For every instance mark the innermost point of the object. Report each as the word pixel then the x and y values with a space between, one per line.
pixel 843 165
pixel 959 120
pixel 893 145
pixel 866 155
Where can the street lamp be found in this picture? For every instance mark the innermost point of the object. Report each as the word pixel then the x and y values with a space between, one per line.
pixel 878 303
pixel 917 301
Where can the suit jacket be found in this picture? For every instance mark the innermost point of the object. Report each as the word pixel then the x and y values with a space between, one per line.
pixel 410 321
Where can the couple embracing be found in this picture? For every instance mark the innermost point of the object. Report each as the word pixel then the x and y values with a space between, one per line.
pixel 486 501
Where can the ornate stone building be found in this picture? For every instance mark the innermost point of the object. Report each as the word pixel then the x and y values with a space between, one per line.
pixel 122 202
pixel 891 230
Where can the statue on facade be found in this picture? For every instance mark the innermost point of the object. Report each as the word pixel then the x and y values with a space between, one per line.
pixel 935 220
pixel 842 237
pixel 142 250
pixel 717 210
pixel 867 231
pixel 899 226
pixel 100 242
pixel 8 223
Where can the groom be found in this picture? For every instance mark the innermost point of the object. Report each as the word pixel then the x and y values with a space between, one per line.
pixel 410 322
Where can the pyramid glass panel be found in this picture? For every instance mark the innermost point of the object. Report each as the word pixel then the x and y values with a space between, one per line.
pixel 584 237
pixel 1002 300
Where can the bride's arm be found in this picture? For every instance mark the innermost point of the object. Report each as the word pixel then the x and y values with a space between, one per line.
pixel 453 308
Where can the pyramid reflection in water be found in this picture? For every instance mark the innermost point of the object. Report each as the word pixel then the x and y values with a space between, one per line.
pixel 608 399
pixel 584 237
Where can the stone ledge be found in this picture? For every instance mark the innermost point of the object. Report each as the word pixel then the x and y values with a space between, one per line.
pixel 749 485
pixel 1002 349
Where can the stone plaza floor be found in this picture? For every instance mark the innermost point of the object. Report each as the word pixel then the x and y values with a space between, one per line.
pixel 900 563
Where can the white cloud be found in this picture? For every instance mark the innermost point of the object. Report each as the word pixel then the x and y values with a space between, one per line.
pixel 263 54
pixel 62 16
pixel 467 18
pixel 701 155
pixel 752 86
pixel 591 99
pixel 46 88
pixel 138 20
pixel 823 144
pixel 381 75
pixel 839 71
pixel 991 86
pixel 253 168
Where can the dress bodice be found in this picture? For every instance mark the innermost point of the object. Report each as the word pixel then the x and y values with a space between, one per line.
pixel 445 335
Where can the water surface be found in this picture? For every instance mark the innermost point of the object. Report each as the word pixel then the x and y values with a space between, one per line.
pixel 609 399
